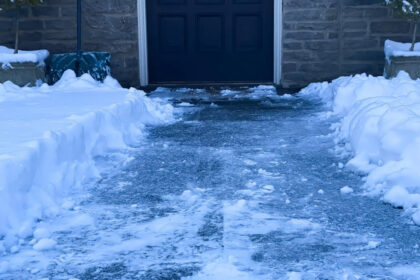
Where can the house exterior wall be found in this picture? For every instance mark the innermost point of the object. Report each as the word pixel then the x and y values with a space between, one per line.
pixel 322 39
pixel 108 25
pixel 325 39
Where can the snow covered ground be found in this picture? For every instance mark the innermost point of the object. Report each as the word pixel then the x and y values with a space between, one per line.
pixel 49 138
pixel 244 186
pixel 247 185
pixel 7 56
pixel 379 126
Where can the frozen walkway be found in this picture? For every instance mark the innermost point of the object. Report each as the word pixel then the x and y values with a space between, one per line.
pixel 240 188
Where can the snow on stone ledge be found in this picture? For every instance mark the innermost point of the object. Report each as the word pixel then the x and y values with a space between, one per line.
pixel 400 49
pixel 379 126
pixel 50 135
pixel 7 56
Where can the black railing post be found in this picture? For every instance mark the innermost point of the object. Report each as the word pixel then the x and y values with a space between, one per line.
pixel 79 36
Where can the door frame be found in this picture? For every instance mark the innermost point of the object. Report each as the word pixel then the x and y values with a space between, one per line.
pixel 143 52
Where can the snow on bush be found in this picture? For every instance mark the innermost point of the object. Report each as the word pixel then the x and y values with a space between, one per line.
pixel 48 140
pixel 410 11
pixel 380 127
pixel 7 56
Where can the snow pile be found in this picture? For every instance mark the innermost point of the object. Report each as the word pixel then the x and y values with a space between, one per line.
pixel 49 137
pixel 400 49
pixel 346 190
pixel 380 127
pixel 7 56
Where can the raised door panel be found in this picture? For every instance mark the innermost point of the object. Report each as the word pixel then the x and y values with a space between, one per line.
pixel 248 33
pixel 247 1
pixel 209 2
pixel 171 2
pixel 172 33
pixel 210 33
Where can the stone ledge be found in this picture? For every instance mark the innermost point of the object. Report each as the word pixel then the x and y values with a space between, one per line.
pixel 409 64
pixel 22 74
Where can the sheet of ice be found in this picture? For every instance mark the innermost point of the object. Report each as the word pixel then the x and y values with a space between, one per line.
pixel 379 126
pixel 7 56
pixel 400 49
pixel 48 140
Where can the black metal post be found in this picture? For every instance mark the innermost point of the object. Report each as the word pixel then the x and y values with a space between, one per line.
pixel 79 37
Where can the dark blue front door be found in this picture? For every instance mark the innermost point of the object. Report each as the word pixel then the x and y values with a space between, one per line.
pixel 206 41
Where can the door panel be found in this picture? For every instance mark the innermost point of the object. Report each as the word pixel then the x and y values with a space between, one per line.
pixel 172 34
pixel 210 33
pixel 210 41
pixel 172 2
pixel 248 33
pixel 209 1
pixel 247 1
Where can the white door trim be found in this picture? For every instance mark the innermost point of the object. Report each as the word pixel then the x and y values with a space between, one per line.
pixel 278 38
pixel 143 53
pixel 142 33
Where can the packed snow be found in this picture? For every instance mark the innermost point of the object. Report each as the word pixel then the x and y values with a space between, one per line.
pixel 346 190
pixel 49 138
pixel 400 49
pixel 8 56
pixel 379 127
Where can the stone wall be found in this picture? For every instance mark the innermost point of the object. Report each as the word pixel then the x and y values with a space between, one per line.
pixel 50 26
pixel 108 25
pixel 111 25
pixel 325 39
pixel 322 39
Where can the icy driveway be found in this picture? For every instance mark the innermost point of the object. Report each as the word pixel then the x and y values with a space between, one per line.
pixel 241 188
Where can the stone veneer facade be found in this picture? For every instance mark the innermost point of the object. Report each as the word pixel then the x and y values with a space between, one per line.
pixel 108 25
pixel 322 39
pixel 325 39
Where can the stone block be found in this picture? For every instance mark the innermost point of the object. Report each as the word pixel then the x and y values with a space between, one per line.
pixel 22 74
pixel 305 35
pixel 395 64
pixel 355 25
pixel 45 11
pixel 322 45
pixel 390 27
pixel 357 44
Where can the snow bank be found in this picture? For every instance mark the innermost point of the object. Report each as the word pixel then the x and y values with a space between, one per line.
pixel 50 135
pixel 380 127
pixel 7 56
pixel 400 49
